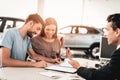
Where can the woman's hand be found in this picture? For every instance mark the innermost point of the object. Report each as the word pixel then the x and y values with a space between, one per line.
pixel 56 60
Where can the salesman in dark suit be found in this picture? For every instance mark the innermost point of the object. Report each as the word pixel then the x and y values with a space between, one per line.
pixel 110 71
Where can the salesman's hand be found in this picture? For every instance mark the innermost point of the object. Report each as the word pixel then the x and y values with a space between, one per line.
pixel 74 63
pixel 42 64
pixel 68 53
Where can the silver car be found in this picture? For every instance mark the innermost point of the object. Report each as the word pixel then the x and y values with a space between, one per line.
pixel 84 37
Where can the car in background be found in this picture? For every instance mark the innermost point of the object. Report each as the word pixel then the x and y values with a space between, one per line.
pixel 84 37
pixel 9 22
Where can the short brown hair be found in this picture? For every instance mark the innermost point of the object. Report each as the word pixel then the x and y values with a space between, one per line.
pixel 115 19
pixel 36 18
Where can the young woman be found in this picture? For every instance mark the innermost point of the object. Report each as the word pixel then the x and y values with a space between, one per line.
pixel 47 44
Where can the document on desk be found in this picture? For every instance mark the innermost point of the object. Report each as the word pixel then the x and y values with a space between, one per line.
pixel 63 67
pixel 66 67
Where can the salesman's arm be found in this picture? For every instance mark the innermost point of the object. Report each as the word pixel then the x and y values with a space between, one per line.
pixel 108 72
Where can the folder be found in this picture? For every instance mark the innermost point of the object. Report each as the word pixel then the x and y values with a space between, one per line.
pixel 59 68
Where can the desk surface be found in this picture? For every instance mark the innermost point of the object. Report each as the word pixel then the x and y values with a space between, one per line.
pixel 16 73
pixel 28 73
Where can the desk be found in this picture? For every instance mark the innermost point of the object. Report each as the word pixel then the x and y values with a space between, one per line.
pixel 17 73
pixel 28 73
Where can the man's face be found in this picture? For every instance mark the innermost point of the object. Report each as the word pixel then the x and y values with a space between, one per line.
pixel 36 28
pixel 110 34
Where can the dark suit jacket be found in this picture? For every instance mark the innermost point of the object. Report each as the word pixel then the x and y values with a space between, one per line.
pixel 111 71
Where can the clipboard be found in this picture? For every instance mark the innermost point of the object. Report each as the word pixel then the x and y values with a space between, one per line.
pixel 64 69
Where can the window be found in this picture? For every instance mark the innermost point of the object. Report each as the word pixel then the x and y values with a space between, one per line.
pixel 9 24
pixel 83 30
pixel 66 30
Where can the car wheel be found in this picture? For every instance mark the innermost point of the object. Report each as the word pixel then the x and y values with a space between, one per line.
pixel 95 52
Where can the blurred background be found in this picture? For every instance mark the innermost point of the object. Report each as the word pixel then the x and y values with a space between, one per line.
pixel 91 13
pixel 66 12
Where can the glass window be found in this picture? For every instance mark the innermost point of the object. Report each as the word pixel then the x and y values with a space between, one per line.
pixel 83 30
pixel 9 24
pixel 66 30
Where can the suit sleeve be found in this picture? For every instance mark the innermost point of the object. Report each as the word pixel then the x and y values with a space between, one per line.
pixel 108 72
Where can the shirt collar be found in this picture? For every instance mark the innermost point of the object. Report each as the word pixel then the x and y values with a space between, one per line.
pixel 118 46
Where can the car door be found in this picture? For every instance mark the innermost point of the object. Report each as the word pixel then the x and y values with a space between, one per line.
pixel 66 33
pixel 72 40
pixel 79 37
pixel 86 36
pixel 71 36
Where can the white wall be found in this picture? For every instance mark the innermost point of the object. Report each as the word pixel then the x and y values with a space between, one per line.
pixel 86 12
pixel 17 8
pixel 66 12
pixel 96 11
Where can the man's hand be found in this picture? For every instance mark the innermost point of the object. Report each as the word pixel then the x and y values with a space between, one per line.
pixel 42 64
pixel 74 63
pixel 68 53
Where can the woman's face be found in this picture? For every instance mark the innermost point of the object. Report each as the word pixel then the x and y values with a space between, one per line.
pixel 50 30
